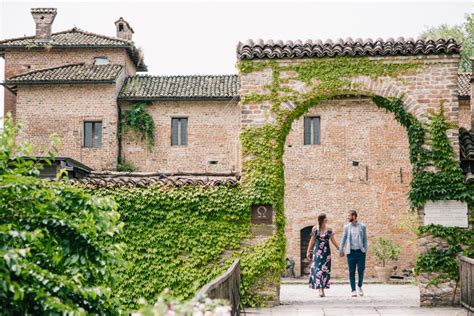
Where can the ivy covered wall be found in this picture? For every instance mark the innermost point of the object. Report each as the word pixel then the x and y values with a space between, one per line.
pixel 275 93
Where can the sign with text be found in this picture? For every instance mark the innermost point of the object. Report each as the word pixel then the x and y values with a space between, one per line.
pixel 449 213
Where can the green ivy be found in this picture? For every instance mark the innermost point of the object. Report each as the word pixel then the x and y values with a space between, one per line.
pixel 444 261
pixel 57 244
pixel 263 147
pixel 138 120
pixel 175 237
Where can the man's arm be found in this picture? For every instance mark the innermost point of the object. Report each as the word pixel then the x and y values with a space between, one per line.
pixel 343 241
pixel 366 240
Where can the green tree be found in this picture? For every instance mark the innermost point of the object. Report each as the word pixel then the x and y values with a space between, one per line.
pixel 463 33
pixel 56 241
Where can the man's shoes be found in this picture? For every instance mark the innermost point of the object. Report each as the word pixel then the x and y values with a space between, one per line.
pixel 354 294
pixel 359 291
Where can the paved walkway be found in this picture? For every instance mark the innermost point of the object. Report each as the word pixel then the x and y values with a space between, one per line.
pixel 379 299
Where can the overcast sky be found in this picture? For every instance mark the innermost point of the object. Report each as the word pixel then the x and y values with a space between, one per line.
pixel 196 37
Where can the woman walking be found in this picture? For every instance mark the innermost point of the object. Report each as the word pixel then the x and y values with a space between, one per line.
pixel 321 260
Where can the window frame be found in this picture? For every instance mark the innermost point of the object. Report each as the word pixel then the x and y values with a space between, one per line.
pixel 313 131
pixel 180 131
pixel 93 130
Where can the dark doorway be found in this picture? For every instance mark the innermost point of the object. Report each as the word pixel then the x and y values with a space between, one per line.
pixel 305 236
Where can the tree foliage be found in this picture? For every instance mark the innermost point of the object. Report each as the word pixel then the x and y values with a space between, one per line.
pixel 56 240
pixel 463 33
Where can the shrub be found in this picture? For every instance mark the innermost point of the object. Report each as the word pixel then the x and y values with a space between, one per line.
pixel 56 240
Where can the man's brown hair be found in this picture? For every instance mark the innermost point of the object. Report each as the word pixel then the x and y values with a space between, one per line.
pixel 352 212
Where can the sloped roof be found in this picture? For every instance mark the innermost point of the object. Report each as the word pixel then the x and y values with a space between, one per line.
pixel 76 73
pixel 76 38
pixel 192 87
pixel 261 49
pixel 466 144
pixel 464 85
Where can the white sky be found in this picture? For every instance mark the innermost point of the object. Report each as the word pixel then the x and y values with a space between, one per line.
pixel 197 37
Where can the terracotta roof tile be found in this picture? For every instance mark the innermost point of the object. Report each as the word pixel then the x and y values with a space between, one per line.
pixel 77 38
pixel 298 49
pixel 69 73
pixel 464 84
pixel 124 180
pixel 181 87
pixel 466 144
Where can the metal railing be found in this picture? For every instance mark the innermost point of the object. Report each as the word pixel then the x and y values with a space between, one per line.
pixel 226 286
pixel 466 278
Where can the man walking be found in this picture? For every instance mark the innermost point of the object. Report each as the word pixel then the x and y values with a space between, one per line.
pixel 355 237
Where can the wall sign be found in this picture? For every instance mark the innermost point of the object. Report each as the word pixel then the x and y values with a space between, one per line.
pixel 448 213
pixel 262 214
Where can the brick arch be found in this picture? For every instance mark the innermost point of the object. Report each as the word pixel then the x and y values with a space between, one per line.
pixel 386 91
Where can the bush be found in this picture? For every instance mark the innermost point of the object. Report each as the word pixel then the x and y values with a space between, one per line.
pixel 57 245
pixel 385 250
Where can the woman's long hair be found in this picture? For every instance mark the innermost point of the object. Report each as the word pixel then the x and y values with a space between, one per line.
pixel 321 218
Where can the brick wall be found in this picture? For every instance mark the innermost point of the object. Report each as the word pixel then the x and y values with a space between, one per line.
pixel 18 61
pixel 321 178
pixel 359 132
pixel 422 92
pixel 465 115
pixel 62 109
pixel 213 129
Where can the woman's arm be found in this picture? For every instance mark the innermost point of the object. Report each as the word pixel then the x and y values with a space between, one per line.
pixel 310 246
pixel 333 240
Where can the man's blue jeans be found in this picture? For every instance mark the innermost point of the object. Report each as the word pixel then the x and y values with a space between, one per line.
pixel 356 259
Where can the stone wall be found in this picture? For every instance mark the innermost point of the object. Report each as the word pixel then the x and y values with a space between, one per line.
pixel 322 178
pixel 212 142
pixel 23 60
pixel 433 292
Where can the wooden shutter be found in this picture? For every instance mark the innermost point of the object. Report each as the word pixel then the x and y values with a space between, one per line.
pixel 184 131
pixel 316 129
pixel 174 132
pixel 307 130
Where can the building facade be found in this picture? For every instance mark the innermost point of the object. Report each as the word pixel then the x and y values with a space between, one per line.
pixel 344 154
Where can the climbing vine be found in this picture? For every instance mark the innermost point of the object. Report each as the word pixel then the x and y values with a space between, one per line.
pixel 175 237
pixel 325 79
pixel 138 120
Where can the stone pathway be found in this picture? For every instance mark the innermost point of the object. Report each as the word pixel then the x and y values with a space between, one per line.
pixel 379 299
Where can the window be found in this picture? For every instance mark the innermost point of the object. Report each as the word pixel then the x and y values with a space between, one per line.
pixel 101 61
pixel 312 127
pixel 179 130
pixel 121 28
pixel 92 134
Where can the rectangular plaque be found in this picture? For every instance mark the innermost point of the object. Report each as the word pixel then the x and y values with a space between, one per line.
pixel 448 213
pixel 262 214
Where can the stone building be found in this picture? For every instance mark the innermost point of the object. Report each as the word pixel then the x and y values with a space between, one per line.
pixel 344 154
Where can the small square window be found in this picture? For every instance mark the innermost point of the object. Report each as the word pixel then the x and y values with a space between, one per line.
pixel 101 61
pixel 312 127
pixel 92 134
pixel 179 131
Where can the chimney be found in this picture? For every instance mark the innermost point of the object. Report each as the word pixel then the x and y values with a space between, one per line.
pixel 124 30
pixel 44 18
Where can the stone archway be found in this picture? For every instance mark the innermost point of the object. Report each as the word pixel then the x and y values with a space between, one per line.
pixel 362 162
pixel 276 93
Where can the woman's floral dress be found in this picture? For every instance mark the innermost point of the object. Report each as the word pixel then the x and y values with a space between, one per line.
pixel 321 264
